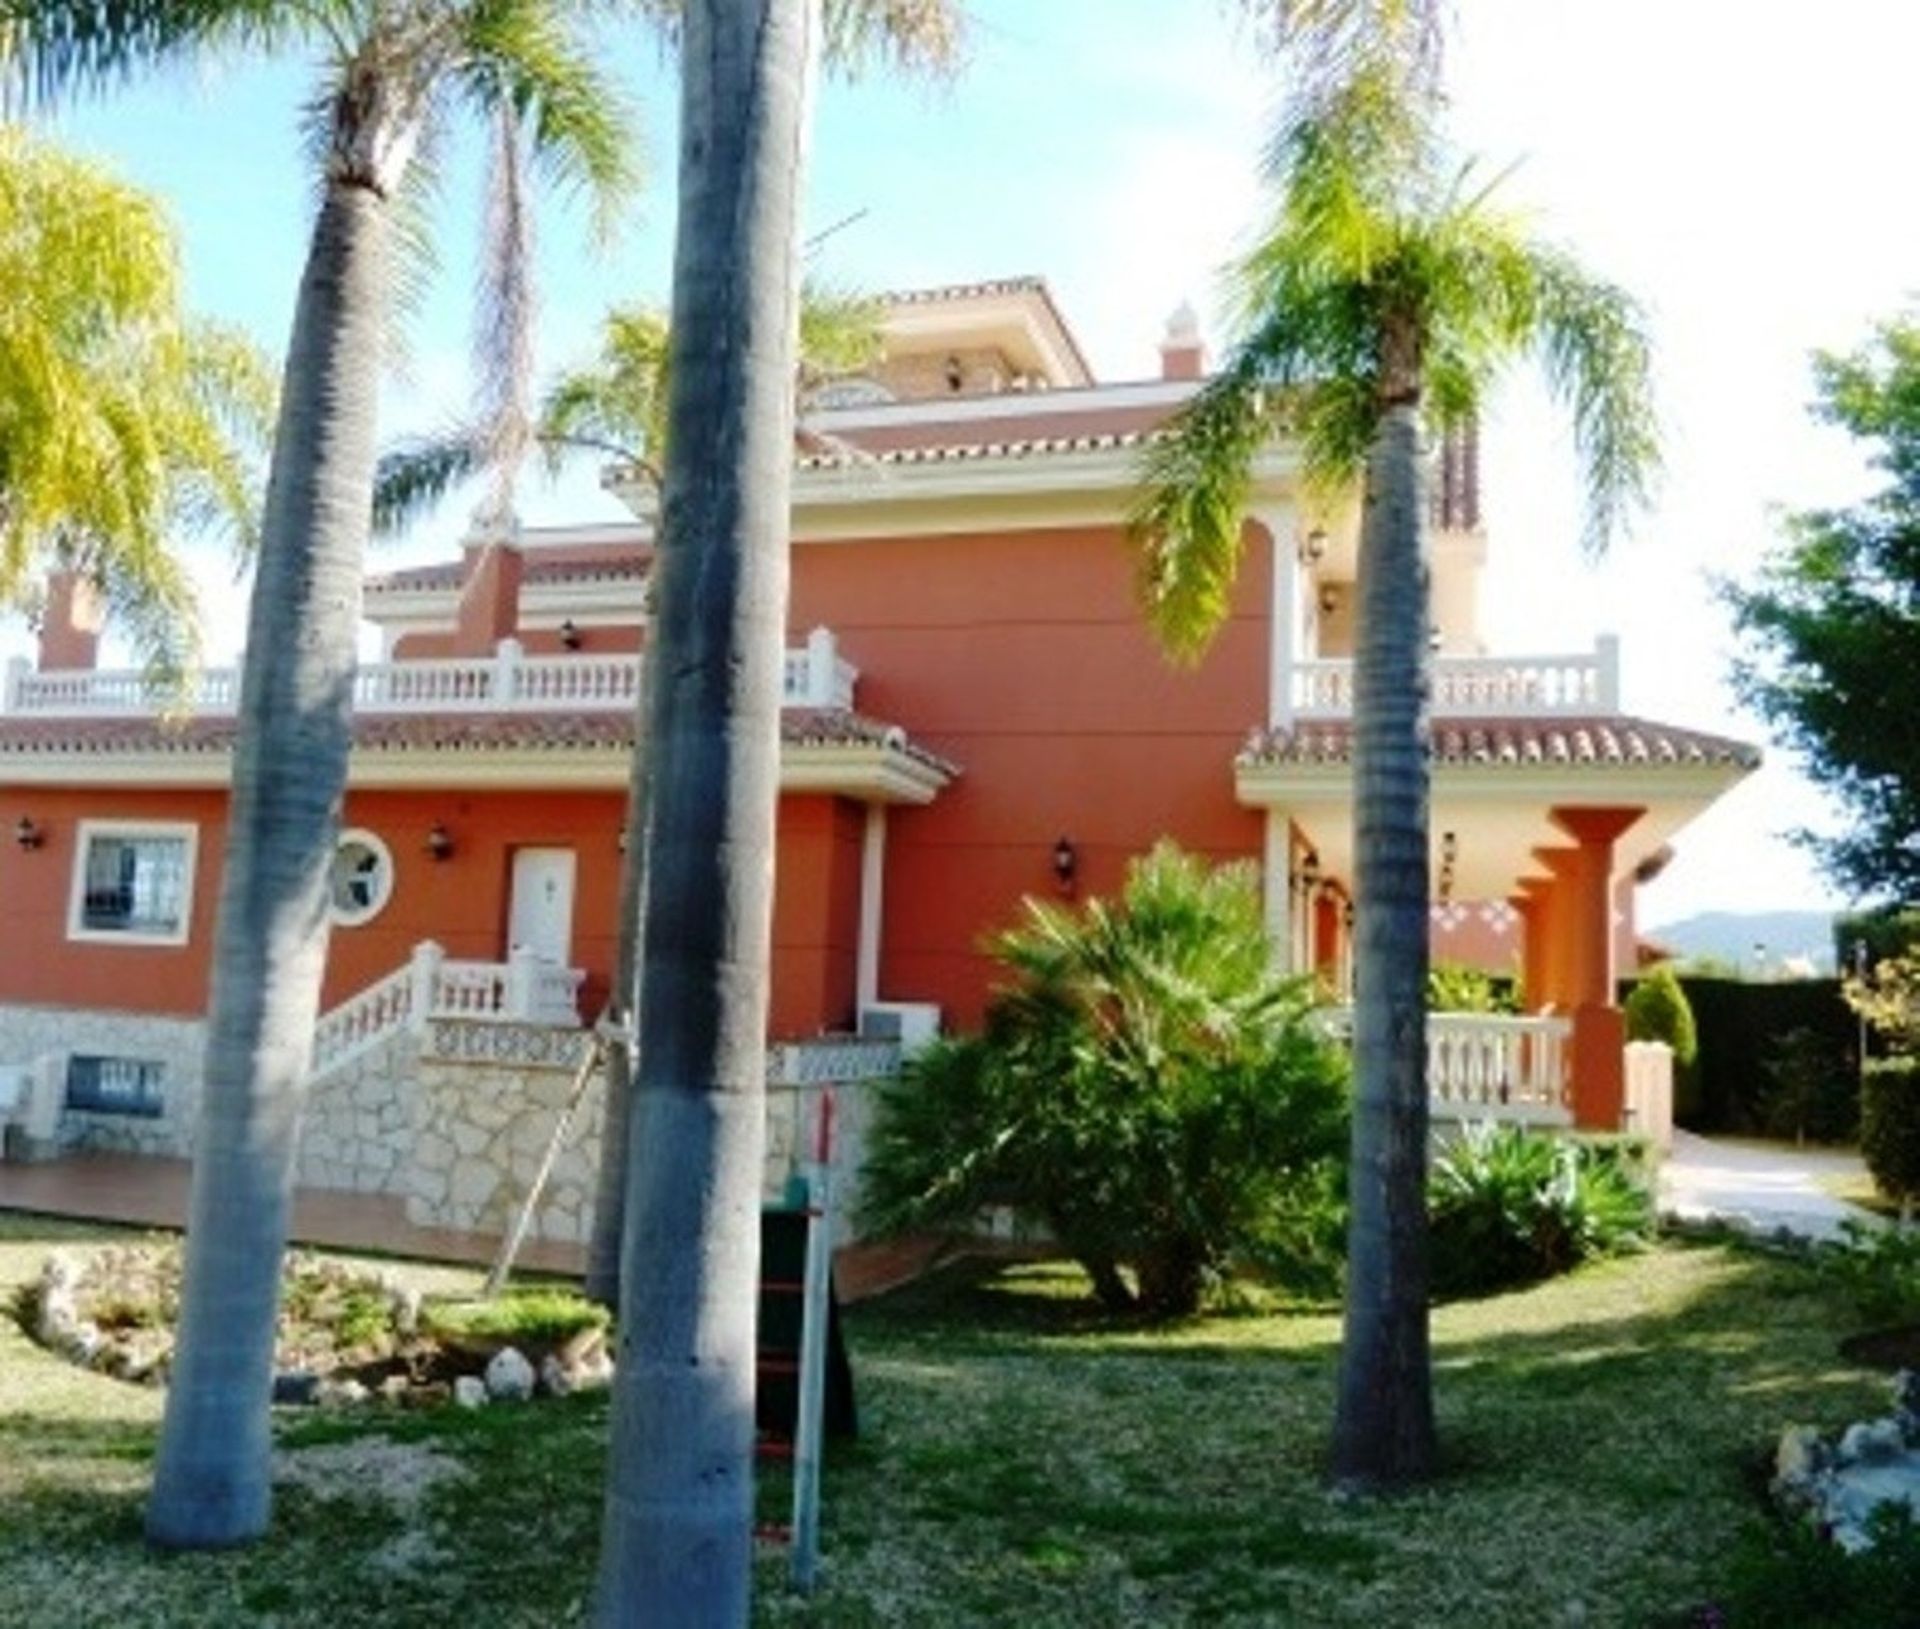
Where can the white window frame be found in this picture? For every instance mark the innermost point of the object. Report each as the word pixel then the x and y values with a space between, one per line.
pixel 84 834
pixel 374 841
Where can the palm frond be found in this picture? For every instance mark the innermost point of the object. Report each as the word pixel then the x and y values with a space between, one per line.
pixel 51 47
pixel 1187 528
pixel 1599 362
pixel 504 315
pixel 531 56
pixel 905 36
pixel 413 478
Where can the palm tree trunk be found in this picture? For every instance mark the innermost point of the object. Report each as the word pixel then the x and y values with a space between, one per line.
pixel 211 1484
pixel 677 1534
pixel 1383 1432
pixel 610 1191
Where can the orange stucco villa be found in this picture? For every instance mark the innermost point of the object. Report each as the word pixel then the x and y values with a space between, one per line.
pixel 974 713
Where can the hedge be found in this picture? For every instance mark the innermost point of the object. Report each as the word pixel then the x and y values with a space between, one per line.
pixel 1890 1126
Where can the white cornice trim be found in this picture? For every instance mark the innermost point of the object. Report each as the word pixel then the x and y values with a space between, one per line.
pixel 1099 485
pixel 869 771
pixel 1263 785
pixel 590 602
pixel 1010 405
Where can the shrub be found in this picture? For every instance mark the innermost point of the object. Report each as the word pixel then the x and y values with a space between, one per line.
pixel 1890 1127
pixel 1810 1094
pixel 1791 1576
pixel 1146 1086
pixel 1658 1010
pixel 1454 988
pixel 537 1317
pixel 1508 1207
pixel 1877 1268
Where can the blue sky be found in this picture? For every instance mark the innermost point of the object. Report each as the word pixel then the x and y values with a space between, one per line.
pixel 1743 169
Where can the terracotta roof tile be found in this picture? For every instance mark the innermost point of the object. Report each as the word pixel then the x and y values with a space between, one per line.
pixel 448 574
pixel 1518 742
pixel 462 733
pixel 961 452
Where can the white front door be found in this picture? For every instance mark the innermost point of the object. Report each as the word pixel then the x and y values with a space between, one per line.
pixel 540 917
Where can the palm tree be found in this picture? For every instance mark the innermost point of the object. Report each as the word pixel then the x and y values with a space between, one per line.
pixel 1386 296
pixel 676 1538
pixel 396 73
pixel 121 419
pixel 613 408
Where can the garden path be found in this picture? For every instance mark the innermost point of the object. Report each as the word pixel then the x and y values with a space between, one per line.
pixel 1764 1186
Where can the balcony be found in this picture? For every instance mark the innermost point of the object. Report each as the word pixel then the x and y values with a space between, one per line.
pixel 509 681
pixel 1582 685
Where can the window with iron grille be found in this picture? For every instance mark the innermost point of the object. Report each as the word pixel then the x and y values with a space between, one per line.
pixel 133 883
pixel 100 1085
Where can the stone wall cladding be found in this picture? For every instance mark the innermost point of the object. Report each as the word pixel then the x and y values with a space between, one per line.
pixel 358 1127
pixel 487 1100
pixel 178 1045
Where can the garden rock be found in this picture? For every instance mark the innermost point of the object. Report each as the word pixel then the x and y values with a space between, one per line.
pixel 470 1391
pixel 1906 1402
pixel 1872 1442
pixel 342 1393
pixel 1839 1485
pixel 510 1376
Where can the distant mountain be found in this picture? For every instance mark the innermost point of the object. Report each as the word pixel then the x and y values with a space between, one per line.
pixel 1732 937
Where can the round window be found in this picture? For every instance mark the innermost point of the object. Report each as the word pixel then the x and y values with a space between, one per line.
pixel 361 882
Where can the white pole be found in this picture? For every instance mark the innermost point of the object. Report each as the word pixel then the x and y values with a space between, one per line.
pixel 810 1406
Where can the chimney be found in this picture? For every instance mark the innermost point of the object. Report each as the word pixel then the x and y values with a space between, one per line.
pixel 489 590
pixel 1183 354
pixel 70 625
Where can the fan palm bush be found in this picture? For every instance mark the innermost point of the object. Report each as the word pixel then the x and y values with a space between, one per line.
pixel 1508 1206
pixel 1146 1086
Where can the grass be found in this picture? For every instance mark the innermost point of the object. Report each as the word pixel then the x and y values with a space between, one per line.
pixel 1856 1188
pixel 1024 1463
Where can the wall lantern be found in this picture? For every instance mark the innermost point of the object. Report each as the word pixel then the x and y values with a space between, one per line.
pixel 27 834
pixel 1315 546
pixel 570 634
pixel 439 841
pixel 1310 873
pixel 1329 598
pixel 1066 862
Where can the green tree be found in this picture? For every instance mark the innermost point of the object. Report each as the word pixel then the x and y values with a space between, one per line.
pixel 1384 297
pixel 1657 1009
pixel 1146 1084
pixel 677 1533
pixel 122 419
pixel 395 76
pixel 1830 627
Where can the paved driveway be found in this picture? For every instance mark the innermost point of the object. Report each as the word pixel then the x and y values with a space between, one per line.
pixel 1763 1185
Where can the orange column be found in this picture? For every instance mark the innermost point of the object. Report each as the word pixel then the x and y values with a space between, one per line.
pixel 1599 1029
pixel 1530 907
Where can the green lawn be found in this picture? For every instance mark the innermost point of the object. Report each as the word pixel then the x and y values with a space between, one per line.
pixel 1023 1464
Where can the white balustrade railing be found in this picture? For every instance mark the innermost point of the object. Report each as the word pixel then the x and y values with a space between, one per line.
pixel 362 1021
pixel 815 675
pixel 1477 686
pixel 1488 1066
pixel 524 989
pixel 1481 1066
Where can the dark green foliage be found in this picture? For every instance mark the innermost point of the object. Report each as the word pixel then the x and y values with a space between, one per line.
pixel 1791 1577
pixel 1831 629
pixel 1739 1024
pixel 1891 931
pixel 1508 1207
pixel 1454 988
pixel 1657 1009
pixel 1811 1094
pixel 1890 1126
pixel 1877 1268
pixel 1146 1087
